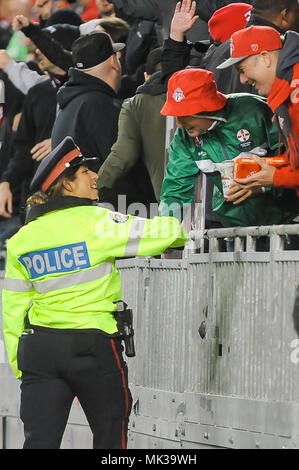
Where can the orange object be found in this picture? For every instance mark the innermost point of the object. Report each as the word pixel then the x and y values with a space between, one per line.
pixel 244 166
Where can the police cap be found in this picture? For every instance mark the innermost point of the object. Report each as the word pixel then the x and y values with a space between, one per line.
pixel 64 156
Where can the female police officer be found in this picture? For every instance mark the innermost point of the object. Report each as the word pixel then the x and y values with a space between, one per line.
pixel 59 297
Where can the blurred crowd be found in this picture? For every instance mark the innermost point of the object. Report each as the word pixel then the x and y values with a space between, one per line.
pixel 57 79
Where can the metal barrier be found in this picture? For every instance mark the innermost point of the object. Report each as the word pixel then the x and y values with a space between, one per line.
pixel 217 357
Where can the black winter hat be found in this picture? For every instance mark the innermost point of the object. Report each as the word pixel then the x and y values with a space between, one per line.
pixel 64 16
pixel 93 49
pixel 65 34
pixel 153 59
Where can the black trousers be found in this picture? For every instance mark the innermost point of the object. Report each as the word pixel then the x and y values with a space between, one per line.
pixel 57 367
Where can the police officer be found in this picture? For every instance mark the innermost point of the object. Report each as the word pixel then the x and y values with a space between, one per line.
pixel 59 301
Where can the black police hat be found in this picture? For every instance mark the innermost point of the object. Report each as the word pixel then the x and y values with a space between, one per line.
pixel 93 49
pixel 64 156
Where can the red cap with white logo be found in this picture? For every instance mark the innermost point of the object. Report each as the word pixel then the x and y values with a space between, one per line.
pixel 252 41
pixel 192 91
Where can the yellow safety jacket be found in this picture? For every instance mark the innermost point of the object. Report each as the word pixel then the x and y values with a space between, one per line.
pixel 60 266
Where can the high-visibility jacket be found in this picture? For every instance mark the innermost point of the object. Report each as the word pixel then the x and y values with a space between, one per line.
pixel 245 125
pixel 61 272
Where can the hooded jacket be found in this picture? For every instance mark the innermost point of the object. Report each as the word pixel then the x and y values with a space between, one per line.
pixel 283 99
pixel 189 156
pixel 89 110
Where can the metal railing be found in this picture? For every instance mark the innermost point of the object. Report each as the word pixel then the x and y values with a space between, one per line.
pixel 217 357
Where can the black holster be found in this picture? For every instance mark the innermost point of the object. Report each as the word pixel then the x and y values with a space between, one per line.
pixel 296 311
pixel 124 318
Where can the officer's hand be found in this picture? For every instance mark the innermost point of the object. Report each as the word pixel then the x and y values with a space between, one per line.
pixel 19 22
pixel 238 193
pixel 183 19
pixel 4 58
pixel 5 200
pixel 41 150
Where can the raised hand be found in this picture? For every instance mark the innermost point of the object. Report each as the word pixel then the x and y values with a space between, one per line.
pixel 19 22
pixel 183 19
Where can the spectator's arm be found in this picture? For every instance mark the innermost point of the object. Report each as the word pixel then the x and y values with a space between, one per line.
pixel 183 19
pixel 20 164
pixel 175 56
pixel 52 49
pixel 124 153
pixel 21 76
pixel 179 183
pixel 176 50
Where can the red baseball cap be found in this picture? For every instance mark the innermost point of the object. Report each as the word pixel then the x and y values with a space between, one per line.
pixel 252 41
pixel 228 20
pixel 192 91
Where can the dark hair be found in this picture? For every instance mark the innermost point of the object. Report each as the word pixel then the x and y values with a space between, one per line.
pixel 55 190
pixel 64 16
pixel 273 7
pixel 153 60
pixel 117 28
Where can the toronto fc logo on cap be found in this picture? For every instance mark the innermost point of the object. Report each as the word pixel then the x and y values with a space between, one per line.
pixel 178 95
pixel 247 16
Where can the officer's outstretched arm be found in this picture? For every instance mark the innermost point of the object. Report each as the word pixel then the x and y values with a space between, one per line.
pixel 126 236
pixel 159 234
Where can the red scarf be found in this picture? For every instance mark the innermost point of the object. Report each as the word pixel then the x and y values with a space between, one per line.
pixel 286 111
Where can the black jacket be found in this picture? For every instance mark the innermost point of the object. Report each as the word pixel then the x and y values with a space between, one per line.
pixel 89 110
pixel 38 116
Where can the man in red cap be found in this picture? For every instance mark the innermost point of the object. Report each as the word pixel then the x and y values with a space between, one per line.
pixel 270 64
pixel 212 128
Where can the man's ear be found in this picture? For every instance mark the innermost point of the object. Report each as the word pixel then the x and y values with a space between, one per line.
pixel 266 58
pixel 283 19
pixel 114 62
